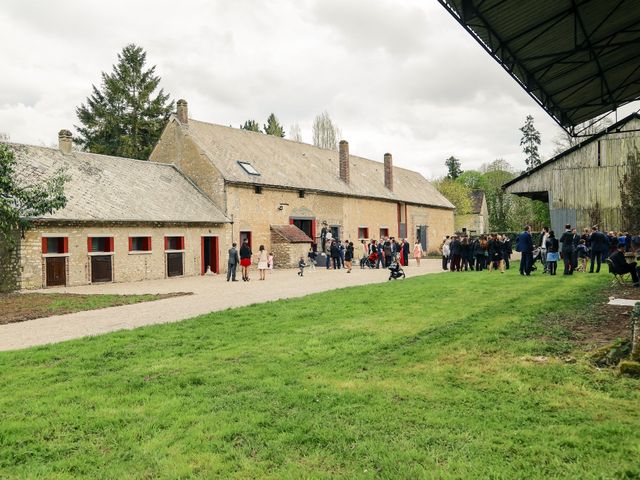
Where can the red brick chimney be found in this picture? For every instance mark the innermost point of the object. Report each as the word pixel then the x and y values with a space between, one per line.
pixel 388 171
pixel 344 161
pixel 182 111
pixel 65 141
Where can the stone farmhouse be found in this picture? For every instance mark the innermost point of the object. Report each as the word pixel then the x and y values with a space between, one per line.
pixel 261 181
pixel 582 184
pixel 205 187
pixel 125 220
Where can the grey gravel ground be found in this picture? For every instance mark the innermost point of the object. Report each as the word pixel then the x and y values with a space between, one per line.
pixel 210 294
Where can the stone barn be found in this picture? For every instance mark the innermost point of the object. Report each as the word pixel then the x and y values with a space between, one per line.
pixel 582 184
pixel 260 180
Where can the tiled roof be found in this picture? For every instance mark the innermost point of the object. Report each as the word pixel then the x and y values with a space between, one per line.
pixel 291 233
pixel 285 163
pixel 477 196
pixel 104 188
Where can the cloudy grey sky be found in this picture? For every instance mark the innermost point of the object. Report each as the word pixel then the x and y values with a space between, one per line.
pixel 395 75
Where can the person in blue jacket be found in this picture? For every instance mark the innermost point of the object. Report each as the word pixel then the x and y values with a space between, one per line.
pixel 524 245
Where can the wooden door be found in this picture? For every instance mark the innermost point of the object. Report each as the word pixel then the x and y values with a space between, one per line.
pixel 174 265
pixel 101 270
pixel 56 271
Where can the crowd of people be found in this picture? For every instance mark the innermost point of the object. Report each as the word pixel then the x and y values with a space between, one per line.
pixel 459 253
pixel 484 252
pixel 371 253
pixel 577 251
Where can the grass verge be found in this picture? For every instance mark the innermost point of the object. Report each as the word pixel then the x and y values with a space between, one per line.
pixel 18 307
pixel 432 377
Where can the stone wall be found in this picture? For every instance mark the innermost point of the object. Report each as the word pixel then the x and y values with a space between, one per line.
pixel 9 264
pixel 255 212
pixel 127 266
pixel 286 254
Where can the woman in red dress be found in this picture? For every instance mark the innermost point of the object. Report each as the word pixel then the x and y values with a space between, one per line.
pixel 245 259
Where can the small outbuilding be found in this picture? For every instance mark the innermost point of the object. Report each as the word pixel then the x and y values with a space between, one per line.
pixel 125 220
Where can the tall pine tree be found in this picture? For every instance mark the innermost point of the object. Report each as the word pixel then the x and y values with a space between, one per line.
pixel 529 142
pixel 125 117
pixel 273 127
pixel 453 167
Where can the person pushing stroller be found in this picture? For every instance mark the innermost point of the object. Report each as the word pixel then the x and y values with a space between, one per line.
pixel 395 270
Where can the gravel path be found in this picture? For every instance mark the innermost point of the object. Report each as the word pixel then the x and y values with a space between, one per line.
pixel 210 294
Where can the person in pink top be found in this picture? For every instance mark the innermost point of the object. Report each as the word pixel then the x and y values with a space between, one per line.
pixel 417 252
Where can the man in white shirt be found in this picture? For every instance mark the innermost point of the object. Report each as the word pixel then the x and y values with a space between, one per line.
pixel 543 247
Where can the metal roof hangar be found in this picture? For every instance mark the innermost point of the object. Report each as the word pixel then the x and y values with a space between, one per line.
pixel 577 59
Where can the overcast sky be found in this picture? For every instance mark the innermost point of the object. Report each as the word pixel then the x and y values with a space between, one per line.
pixel 395 75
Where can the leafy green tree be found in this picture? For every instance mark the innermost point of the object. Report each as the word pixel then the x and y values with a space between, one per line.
pixel 22 199
pixel 126 115
pixel 457 193
pixel 529 142
pixel 251 125
pixel 472 179
pixel 273 127
pixel 453 167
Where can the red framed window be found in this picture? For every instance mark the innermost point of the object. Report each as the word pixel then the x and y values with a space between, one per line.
pixel 246 235
pixel 363 232
pixel 384 232
pixel 174 243
pixel 139 244
pixel 99 244
pixel 55 245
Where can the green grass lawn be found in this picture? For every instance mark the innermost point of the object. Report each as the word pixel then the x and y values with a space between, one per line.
pixel 430 377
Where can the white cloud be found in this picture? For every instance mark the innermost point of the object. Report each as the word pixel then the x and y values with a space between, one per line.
pixel 395 76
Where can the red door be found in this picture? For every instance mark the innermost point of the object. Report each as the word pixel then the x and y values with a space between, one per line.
pixel 209 254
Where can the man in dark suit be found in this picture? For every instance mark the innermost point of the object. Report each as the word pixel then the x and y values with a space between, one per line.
pixel 620 264
pixel 599 246
pixel 232 263
pixel 524 245
pixel 567 249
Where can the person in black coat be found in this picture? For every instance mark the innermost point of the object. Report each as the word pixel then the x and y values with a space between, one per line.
pixel 599 247
pixel 620 264
pixel 567 250
pixel 456 251
pixel 335 255
pixel 506 251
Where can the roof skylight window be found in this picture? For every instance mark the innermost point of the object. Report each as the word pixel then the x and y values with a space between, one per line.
pixel 247 167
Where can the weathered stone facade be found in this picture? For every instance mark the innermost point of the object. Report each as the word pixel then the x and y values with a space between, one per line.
pixel 286 254
pixel 127 265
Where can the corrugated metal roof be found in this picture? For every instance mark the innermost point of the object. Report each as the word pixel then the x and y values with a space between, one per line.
pixel 104 188
pixel 285 163
pixel 577 59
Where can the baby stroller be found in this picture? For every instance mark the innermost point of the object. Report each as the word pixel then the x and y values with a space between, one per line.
pixel 395 271
pixel 370 261
pixel 537 256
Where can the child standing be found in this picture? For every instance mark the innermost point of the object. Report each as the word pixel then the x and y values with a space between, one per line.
pixel 270 261
pixel 583 253
pixel 301 266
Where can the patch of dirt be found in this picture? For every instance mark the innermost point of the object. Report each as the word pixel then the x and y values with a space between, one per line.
pixel 602 323
pixel 20 307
